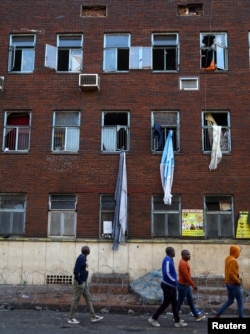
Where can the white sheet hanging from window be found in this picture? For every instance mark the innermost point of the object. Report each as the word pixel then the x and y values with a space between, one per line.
pixel 216 154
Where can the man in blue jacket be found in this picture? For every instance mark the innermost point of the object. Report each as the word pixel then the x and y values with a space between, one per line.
pixel 81 287
pixel 169 288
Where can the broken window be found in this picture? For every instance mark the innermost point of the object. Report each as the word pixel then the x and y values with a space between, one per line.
pixel 12 214
pixel 93 11
pixel 21 53
pixel 66 131
pixel 115 131
pixel 214 51
pixel 190 9
pixel 166 219
pixel 107 211
pixel 67 56
pixel 62 215
pixel 116 52
pixel 165 52
pixel 17 127
pixel 218 216
pixel 162 122
pixel 221 118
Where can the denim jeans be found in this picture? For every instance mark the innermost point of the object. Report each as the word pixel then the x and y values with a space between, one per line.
pixel 81 290
pixel 234 291
pixel 184 291
pixel 169 297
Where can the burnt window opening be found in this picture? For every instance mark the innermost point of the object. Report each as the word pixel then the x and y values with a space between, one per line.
pixel 165 52
pixel 115 132
pixel 93 11
pixel 190 9
pixel 214 52
pixel 16 131
pixel 216 118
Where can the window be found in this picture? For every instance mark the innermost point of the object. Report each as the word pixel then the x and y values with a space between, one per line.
pixel 214 52
pixel 62 215
pixel 189 83
pixel 220 118
pixel 93 11
pixel 190 9
pixel 66 131
pixel 16 131
pixel 166 219
pixel 116 52
pixel 107 204
pixel 12 214
pixel 165 52
pixel 22 53
pixel 115 131
pixel 67 56
pixel 218 216
pixel 162 122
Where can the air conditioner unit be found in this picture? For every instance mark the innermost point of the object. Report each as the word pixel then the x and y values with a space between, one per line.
pixel 1 83
pixel 89 81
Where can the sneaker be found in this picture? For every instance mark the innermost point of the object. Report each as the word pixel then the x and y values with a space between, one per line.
pixel 96 318
pixel 73 321
pixel 180 324
pixel 200 317
pixel 154 322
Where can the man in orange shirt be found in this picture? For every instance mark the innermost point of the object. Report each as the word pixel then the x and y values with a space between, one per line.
pixel 185 283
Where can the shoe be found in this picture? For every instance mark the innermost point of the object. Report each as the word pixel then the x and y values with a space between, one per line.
pixel 154 322
pixel 96 318
pixel 180 324
pixel 200 317
pixel 73 321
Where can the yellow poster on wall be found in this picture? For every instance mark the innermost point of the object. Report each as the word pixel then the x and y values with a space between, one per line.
pixel 243 227
pixel 192 223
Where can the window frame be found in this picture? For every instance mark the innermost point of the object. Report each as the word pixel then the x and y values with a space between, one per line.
pixel 162 46
pixel 21 53
pixel 62 214
pixel 157 133
pixel 117 51
pixel 168 212
pixel 217 214
pixel 65 134
pixel 22 199
pixel 106 214
pixel 218 52
pixel 18 133
pixel 225 132
pixel 114 130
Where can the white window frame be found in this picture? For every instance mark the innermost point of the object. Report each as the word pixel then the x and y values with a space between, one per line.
pixel 219 50
pixel 113 43
pixel 26 50
pixel 62 215
pixel 207 132
pixel 66 143
pixel 169 217
pixel 75 57
pixel 163 118
pixel 107 213
pixel 219 217
pixel 167 42
pixel 20 131
pixel 110 142
pixel 12 213
pixel 189 83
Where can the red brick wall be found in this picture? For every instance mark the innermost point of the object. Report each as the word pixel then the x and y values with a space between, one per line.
pixel 91 173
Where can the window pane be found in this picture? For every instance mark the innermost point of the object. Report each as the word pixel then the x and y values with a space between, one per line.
pixel 116 41
pixel 110 60
pixel 70 41
pixel 72 143
pixel 28 60
pixel 165 40
pixel 67 119
pixel 23 41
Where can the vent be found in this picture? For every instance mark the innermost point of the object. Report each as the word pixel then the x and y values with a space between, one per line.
pixel 1 83
pixel 189 84
pixel 59 279
pixel 89 81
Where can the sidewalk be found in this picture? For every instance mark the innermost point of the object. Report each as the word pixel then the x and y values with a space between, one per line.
pixel 59 297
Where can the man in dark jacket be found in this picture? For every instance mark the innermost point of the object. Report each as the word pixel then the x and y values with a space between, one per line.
pixel 81 287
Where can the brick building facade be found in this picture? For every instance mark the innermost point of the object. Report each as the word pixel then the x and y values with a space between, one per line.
pixel 166 63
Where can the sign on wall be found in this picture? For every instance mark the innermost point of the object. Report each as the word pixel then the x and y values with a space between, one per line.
pixel 192 223
pixel 243 227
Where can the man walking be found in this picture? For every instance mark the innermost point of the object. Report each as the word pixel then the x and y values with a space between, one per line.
pixel 81 287
pixel 185 283
pixel 168 285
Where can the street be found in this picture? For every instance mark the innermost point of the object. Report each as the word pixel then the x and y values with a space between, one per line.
pixel 23 321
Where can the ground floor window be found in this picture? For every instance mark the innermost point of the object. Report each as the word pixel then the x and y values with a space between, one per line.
pixel 107 211
pixel 12 214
